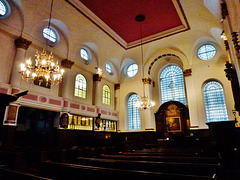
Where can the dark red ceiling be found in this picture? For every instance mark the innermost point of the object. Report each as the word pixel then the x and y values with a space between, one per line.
pixel 119 15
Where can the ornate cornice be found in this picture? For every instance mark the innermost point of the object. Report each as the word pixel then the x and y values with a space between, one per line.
pixel 224 10
pixel 147 80
pixel 97 77
pixel 22 43
pixel 187 72
pixel 235 41
pixel 66 63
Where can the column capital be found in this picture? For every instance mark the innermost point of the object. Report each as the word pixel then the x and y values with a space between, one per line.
pixel 187 72
pixel 147 80
pixel 22 43
pixel 97 77
pixel 117 86
pixel 66 63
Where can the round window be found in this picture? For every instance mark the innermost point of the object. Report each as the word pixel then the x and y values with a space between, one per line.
pixel 5 9
pixel 51 35
pixel 85 55
pixel 132 70
pixel 206 52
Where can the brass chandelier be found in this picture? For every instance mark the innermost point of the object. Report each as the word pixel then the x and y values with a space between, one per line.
pixel 43 69
pixel 145 102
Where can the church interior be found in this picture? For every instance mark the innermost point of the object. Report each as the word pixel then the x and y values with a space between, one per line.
pixel 120 89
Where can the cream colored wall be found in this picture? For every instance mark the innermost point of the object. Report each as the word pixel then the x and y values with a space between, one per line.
pixel 205 28
pixel 28 18
pixel 76 31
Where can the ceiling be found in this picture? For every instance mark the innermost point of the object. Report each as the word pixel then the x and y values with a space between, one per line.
pixel 117 18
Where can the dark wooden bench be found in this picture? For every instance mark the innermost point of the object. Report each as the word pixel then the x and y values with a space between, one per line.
pixel 9 174
pixel 205 169
pixel 163 158
pixel 67 171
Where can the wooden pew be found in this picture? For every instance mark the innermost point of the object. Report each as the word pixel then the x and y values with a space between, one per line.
pixel 8 174
pixel 206 169
pixel 163 158
pixel 63 171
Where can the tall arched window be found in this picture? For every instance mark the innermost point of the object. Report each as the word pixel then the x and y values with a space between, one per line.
pixel 106 95
pixel 134 122
pixel 215 102
pixel 172 84
pixel 80 86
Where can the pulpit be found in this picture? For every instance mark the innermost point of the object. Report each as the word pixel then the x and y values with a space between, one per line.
pixel 172 119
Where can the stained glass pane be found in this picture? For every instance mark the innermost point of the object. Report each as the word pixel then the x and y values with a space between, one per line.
pixel 215 102
pixel 172 84
pixel 134 121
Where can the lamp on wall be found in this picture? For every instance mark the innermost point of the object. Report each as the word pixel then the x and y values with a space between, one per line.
pixel 144 102
pixel 44 69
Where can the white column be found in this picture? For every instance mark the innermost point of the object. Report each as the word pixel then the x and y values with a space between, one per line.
pixel 193 110
pixel 66 84
pixel 147 114
pixel 117 97
pixel 21 45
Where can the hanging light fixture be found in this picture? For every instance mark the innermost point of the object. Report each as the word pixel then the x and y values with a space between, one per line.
pixel 44 69
pixel 144 102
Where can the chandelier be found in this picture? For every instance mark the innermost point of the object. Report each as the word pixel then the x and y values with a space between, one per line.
pixel 43 69
pixel 144 102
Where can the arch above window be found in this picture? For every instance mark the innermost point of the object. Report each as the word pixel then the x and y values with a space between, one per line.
pixel 80 86
pixel 106 95
pixel 215 102
pixel 51 35
pixel 5 9
pixel 134 121
pixel 172 84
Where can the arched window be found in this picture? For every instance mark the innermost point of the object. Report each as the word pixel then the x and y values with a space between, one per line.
pixel 215 102
pixel 172 84
pixel 106 95
pixel 134 122
pixel 80 86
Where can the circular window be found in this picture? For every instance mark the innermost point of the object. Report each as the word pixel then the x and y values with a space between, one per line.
pixel 85 54
pixel 109 68
pixel 51 35
pixel 132 70
pixel 5 9
pixel 206 52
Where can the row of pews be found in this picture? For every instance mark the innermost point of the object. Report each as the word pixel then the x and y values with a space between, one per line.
pixel 155 163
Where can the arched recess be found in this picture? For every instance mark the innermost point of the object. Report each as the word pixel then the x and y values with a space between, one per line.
pixel 164 56
pixel 39 42
pixel 16 18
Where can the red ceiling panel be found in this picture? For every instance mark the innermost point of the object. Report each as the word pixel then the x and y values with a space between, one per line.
pixel 120 15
